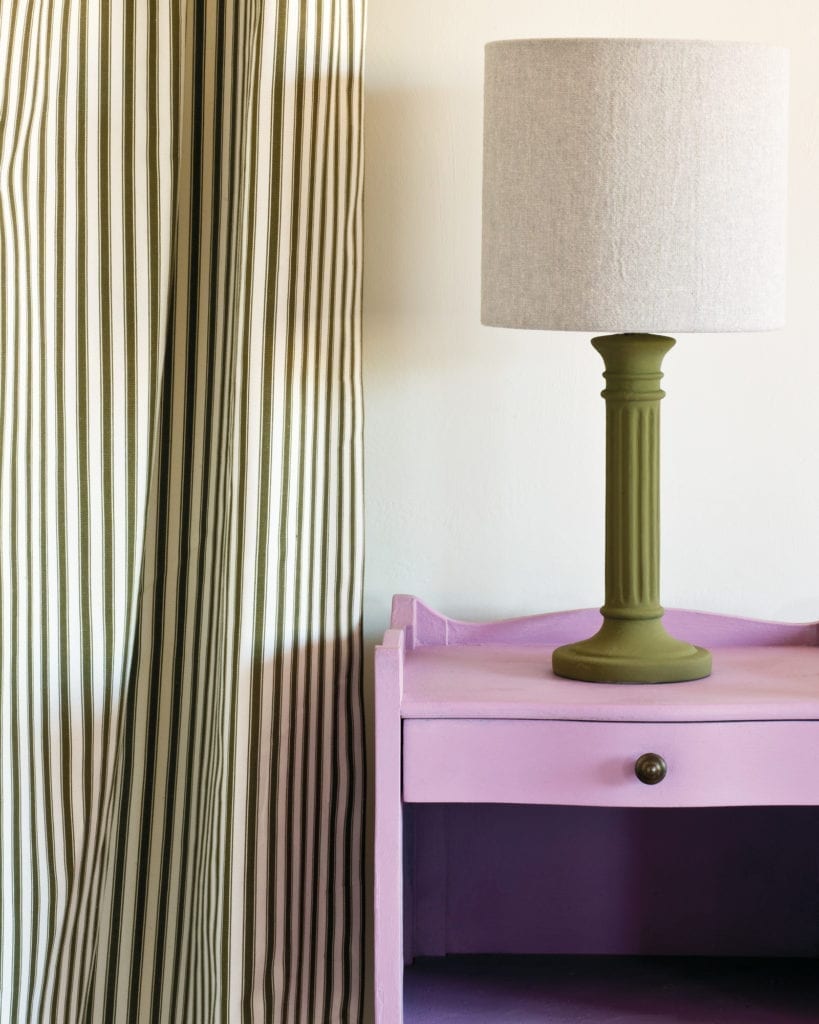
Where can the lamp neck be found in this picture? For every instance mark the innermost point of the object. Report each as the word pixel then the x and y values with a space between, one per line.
pixel 632 394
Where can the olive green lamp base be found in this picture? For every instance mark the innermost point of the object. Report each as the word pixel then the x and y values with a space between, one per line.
pixel 632 646
pixel 632 651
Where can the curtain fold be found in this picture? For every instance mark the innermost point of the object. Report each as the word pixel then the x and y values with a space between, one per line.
pixel 181 723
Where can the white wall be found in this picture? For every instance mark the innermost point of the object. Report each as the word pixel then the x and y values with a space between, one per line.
pixel 484 447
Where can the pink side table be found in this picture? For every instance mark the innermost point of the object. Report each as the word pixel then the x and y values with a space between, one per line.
pixel 486 767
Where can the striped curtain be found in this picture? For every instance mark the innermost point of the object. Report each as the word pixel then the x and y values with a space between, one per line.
pixel 181 748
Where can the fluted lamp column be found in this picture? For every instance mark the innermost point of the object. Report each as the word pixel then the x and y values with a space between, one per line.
pixel 632 644
pixel 632 186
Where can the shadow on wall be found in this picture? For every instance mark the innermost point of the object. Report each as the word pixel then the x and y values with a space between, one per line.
pixel 422 204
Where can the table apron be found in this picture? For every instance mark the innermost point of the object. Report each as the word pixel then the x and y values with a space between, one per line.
pixel 710 764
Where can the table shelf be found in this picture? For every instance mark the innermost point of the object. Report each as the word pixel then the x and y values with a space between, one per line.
pixel 610 990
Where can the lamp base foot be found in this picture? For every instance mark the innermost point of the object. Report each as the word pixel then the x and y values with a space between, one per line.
pixel 632 651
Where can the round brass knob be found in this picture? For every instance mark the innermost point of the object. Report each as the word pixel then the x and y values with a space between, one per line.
pixel 650 769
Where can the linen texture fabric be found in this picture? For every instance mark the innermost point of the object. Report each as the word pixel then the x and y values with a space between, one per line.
pixel 634 185
pixel 181 733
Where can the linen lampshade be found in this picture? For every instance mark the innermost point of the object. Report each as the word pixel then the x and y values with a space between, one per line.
pixel 634 185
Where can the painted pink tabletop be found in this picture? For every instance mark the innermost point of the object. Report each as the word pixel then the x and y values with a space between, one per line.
pixel 762 671
pixel 763 683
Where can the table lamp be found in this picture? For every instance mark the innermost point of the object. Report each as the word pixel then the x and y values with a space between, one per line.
pixel 635 186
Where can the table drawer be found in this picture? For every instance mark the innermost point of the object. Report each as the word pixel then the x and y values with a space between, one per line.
pixel 709 764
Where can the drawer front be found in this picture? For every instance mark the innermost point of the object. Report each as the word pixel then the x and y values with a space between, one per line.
pixel 709 764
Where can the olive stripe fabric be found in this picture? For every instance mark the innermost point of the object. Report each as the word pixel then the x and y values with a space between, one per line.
pixel 182 771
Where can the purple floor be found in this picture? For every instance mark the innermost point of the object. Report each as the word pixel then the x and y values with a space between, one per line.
pixel 610 990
